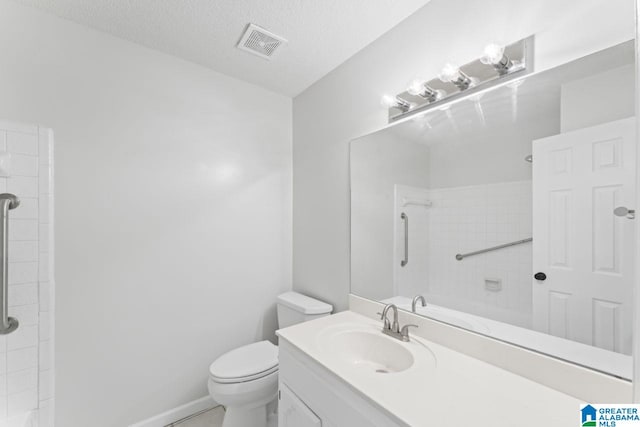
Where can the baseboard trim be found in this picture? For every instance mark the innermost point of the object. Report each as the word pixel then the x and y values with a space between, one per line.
pixel 177 414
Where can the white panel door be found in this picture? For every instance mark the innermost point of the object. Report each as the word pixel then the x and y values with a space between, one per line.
pixel 292 412
pixel 585 251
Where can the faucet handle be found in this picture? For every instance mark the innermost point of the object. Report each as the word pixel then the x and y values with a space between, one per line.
pixel 405 331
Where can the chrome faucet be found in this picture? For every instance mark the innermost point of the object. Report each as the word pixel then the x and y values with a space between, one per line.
pixel 415 302
pixel 393 329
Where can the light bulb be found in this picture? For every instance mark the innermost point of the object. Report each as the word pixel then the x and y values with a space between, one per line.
pixel 452 74
pixel 416 87
pixel 388 101
pixel 449 73
pixel 395 102
pixel 493 54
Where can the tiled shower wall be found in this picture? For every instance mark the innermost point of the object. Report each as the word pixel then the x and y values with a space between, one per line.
pixel 466 219
pixel 26 355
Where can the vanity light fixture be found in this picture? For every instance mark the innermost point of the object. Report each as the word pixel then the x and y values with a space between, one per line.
pixel 494 55
pixel 420 88
pixel 452 74
pixel 498 64
pixel 395 102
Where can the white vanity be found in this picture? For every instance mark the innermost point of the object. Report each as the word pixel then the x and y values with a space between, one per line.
pixel 343 371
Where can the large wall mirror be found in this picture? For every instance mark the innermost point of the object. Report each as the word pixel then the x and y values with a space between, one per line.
pixel 511 212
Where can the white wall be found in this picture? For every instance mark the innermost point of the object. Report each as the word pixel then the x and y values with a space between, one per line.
pixel 378 163
pixel 173 212
pixel 345 104
pixel 597 99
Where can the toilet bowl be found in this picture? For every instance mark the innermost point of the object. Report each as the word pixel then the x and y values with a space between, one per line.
pixel 245 380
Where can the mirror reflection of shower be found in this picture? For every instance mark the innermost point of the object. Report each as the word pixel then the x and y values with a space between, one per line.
pixel 474 166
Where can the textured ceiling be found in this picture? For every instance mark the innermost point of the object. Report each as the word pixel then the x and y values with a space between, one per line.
pixel 322 33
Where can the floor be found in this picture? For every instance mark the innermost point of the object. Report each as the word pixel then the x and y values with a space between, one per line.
pixel 212 418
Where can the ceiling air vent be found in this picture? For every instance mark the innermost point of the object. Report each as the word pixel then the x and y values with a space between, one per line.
pixel 260 42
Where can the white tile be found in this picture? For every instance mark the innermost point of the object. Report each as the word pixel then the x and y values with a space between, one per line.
pixel 3 362
pixel 3 140
pixel 44 237
pixel 45 389
pixel 27 315
pixel 22 402
pixel 20 381
pixel 23 229
pixel 45 325
pixel 22 165
pixel 45 145
pixel 23 294
pixel 45 296
pixel 44 273
pixel 18 360
pixel 45 413
pixel 23 186
pixel 23 272
pixel 23 251
pixel 45 355
pixel 28 208
pixel 484 215
pixel 22 419
pixel 43 210
pixel 22 143
pixel 24 336
pixel 44 179
pixel 3 386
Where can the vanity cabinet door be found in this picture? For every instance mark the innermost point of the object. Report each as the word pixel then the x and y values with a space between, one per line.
pixel 292 412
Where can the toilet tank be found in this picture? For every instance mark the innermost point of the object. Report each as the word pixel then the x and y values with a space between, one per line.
pixel 296 308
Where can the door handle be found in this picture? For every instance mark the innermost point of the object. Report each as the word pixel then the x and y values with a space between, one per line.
pixel 624 211
pixel 540 276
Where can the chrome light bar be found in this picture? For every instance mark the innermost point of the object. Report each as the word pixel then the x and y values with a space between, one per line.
pixel 497 64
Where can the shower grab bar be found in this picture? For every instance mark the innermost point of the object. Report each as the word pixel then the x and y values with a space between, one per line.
pixel 460 257
pixel 7 202
pixel 405 218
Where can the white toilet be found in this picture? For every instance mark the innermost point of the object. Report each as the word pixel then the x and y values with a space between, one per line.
pixel 245 380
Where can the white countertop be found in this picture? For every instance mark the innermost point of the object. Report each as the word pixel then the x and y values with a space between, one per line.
pixel 457 391
pixel 620 365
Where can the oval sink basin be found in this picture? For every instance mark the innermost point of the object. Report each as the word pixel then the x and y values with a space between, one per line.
pixel 369 351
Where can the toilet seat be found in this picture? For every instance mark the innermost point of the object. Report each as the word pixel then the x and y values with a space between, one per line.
pixel 247 363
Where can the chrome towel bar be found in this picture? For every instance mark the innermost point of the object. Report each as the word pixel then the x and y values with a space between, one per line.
pixel 405 219
pixel 460 257
pixel 7 202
